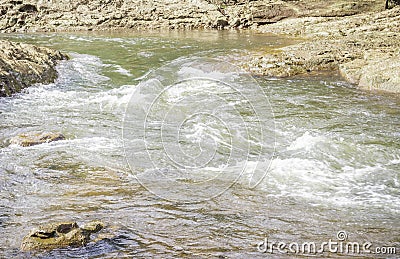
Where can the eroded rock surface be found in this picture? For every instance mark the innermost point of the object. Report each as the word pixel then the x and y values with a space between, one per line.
pixel 364 47
pixel 346 35
pixel 62 15
pixel 22 65
pixel 36 138
pixel 59 235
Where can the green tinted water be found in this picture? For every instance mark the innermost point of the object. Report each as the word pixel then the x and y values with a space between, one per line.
pixel 335 167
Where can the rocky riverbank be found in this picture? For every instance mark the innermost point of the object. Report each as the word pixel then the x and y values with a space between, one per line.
pixel 62 15
pixel 22 65
pixel 365 48
pixel 359 38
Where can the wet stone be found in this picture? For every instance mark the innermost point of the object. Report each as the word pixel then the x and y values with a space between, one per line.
pixel 35 138
pixel 59 235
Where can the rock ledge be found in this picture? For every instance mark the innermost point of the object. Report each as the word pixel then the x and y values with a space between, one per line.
pixel 22 65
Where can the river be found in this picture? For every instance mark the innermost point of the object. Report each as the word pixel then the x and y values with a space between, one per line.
pixel 331 152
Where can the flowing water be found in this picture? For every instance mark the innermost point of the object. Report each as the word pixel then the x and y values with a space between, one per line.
pixel 332 153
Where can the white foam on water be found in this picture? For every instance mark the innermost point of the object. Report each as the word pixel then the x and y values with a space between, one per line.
pixel 306 141
pixel 192 72
pixel 315 181
pixel 80 38
pixel 189 90
pixel 82 69
pixel 299 172
pixel 98 144
pixel 69 92
pixel 394 162
pixel 111 100
pixel 122 71
pixel 129 41
pixel 145 54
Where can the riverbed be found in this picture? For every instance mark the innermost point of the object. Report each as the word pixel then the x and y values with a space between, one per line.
pixel 332 160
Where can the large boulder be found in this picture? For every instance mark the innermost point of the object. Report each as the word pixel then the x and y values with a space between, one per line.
pixel 376 71
pixel 22 65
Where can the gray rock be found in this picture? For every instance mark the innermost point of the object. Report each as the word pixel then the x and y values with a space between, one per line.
pixel 363 47
pixel 220 23
pixel 376 71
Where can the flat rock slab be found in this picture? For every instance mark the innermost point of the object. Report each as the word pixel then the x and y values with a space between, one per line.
pixel 365 48
pixel 35 138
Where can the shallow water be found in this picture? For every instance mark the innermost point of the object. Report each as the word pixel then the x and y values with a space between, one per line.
pixel 334 164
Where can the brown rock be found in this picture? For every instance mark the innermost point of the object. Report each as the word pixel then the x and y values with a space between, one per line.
pixel 36 138
pixel 22 65
pixel 59 235
pixel 177 14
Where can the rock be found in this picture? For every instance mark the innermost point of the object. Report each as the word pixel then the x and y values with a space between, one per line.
pixel 22 65
pixel 234 22
pixel 221 22
pixel 93 226
pixel 59 235
pixel 351 70
pixel 36 138
pixel 29 8
pixel 335 33
pixel 377 71
pixel 173 14
pixel 364 48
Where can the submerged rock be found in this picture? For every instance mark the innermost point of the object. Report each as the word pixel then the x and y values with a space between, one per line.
pixel 59 235
pixel 36 138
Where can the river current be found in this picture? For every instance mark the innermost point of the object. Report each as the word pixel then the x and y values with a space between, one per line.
pixel 331 153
